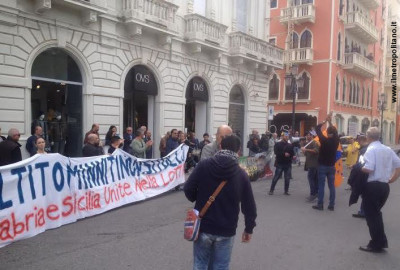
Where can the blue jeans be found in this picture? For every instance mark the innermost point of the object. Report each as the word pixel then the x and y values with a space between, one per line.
pixel 287 170
pixel 326 172
pixel 312 175
pixel 212 252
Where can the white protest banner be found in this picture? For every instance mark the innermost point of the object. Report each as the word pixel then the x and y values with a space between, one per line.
pixel 48 191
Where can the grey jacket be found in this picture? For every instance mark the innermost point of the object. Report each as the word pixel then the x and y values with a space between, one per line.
pixel 209 150
pixel 138 148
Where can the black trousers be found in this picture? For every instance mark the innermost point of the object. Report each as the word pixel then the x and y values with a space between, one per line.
pixel 374 198
pixel 287 170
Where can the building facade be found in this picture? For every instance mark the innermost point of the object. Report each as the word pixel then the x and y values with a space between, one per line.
pixel 191 65
pixel 338 47
pixel 391 127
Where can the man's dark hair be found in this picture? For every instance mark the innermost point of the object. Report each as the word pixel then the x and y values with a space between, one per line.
pixel 332 130
pixel 206 134
pixel 231 142
pixel 115 139
pixel 172 130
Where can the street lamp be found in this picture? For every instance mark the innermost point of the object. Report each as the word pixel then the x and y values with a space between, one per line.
pixel 382 107
pixel 294 83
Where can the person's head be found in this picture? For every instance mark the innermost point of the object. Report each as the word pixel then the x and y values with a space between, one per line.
pixel 309 136
pixel 148 134
pixel 254 132
pixel 95 127
pixel 174 134
pixel 40 143
pixel 115 141
pixel 231 142
pixel 296 134
pixel 93 139
pixel 206 136
pixel 285 136
pixel 362 140
pixel 129 130
pixel 38 131
pixel 182 136
pixel 255 141
pixel 139 133
pixel 143 128
pixel 373 134
pixel 14 135
pixel 112 128
pixel 223 131
pixel 332 132
pixel 274 135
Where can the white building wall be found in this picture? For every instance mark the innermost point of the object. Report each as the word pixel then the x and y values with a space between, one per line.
pixel 105 52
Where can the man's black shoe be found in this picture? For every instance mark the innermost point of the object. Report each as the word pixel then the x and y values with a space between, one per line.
pixel 370 249
pixel 271 193
pixel 318 207
pixel 331 208
pixel 358 215
pixel 287 193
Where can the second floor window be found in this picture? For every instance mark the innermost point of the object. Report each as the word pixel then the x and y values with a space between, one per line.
pixel 274 4
pixel 199 7
pixel 305 40
pixel 344 91
pixel 241 15
pixel 294 43
pixel 304 92
pixel 274 88
pixel 337 89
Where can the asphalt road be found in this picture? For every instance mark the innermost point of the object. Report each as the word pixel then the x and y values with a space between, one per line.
pixel 149 235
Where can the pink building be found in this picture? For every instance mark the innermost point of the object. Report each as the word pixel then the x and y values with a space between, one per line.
pixel 337 46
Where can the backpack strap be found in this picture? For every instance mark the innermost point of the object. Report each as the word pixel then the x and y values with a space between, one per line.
pixel 212 199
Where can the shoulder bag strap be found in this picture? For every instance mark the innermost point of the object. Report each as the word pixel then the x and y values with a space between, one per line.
pixel 212 199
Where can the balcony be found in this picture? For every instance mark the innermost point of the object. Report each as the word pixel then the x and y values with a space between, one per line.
pixel 358 64
pixel 360 26
pixel 299 56
pixel 203 32
pixel 90 8
pixel 369 4
pixel 298 14
pixel 156 16
pixel 244 47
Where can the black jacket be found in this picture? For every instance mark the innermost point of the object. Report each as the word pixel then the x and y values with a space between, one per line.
pixel 222 216
pixel 10 152
pixel 328 148
pixel 280 149
pixel 90 150
pixel 357 179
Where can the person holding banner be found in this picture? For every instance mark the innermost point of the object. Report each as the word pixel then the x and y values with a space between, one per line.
pixel 326 163
pixel 40 144
pixel 92 148
pixel 213 248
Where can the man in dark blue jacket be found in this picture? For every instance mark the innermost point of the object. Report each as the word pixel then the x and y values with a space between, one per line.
pixel 218 226
pixel 284 156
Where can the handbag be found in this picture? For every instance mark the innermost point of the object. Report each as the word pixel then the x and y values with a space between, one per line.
pixel 193 218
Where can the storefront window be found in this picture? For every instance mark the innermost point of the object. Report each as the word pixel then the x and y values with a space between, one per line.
pixel 196 106
pixel 56 101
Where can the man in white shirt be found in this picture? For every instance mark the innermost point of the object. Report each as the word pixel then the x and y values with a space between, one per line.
pixel 383 167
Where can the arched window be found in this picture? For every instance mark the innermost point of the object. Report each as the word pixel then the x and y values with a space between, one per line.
pixel 351 92
pixel 339 44
pixel 362 96
pixel 337 87
pixel 339 123
pixel 357 99
pixel 305 40
pixel 344 91
pixel 274 88
pixel 304 92
pixel 295 41
pixel 368 98
pixel 341 6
